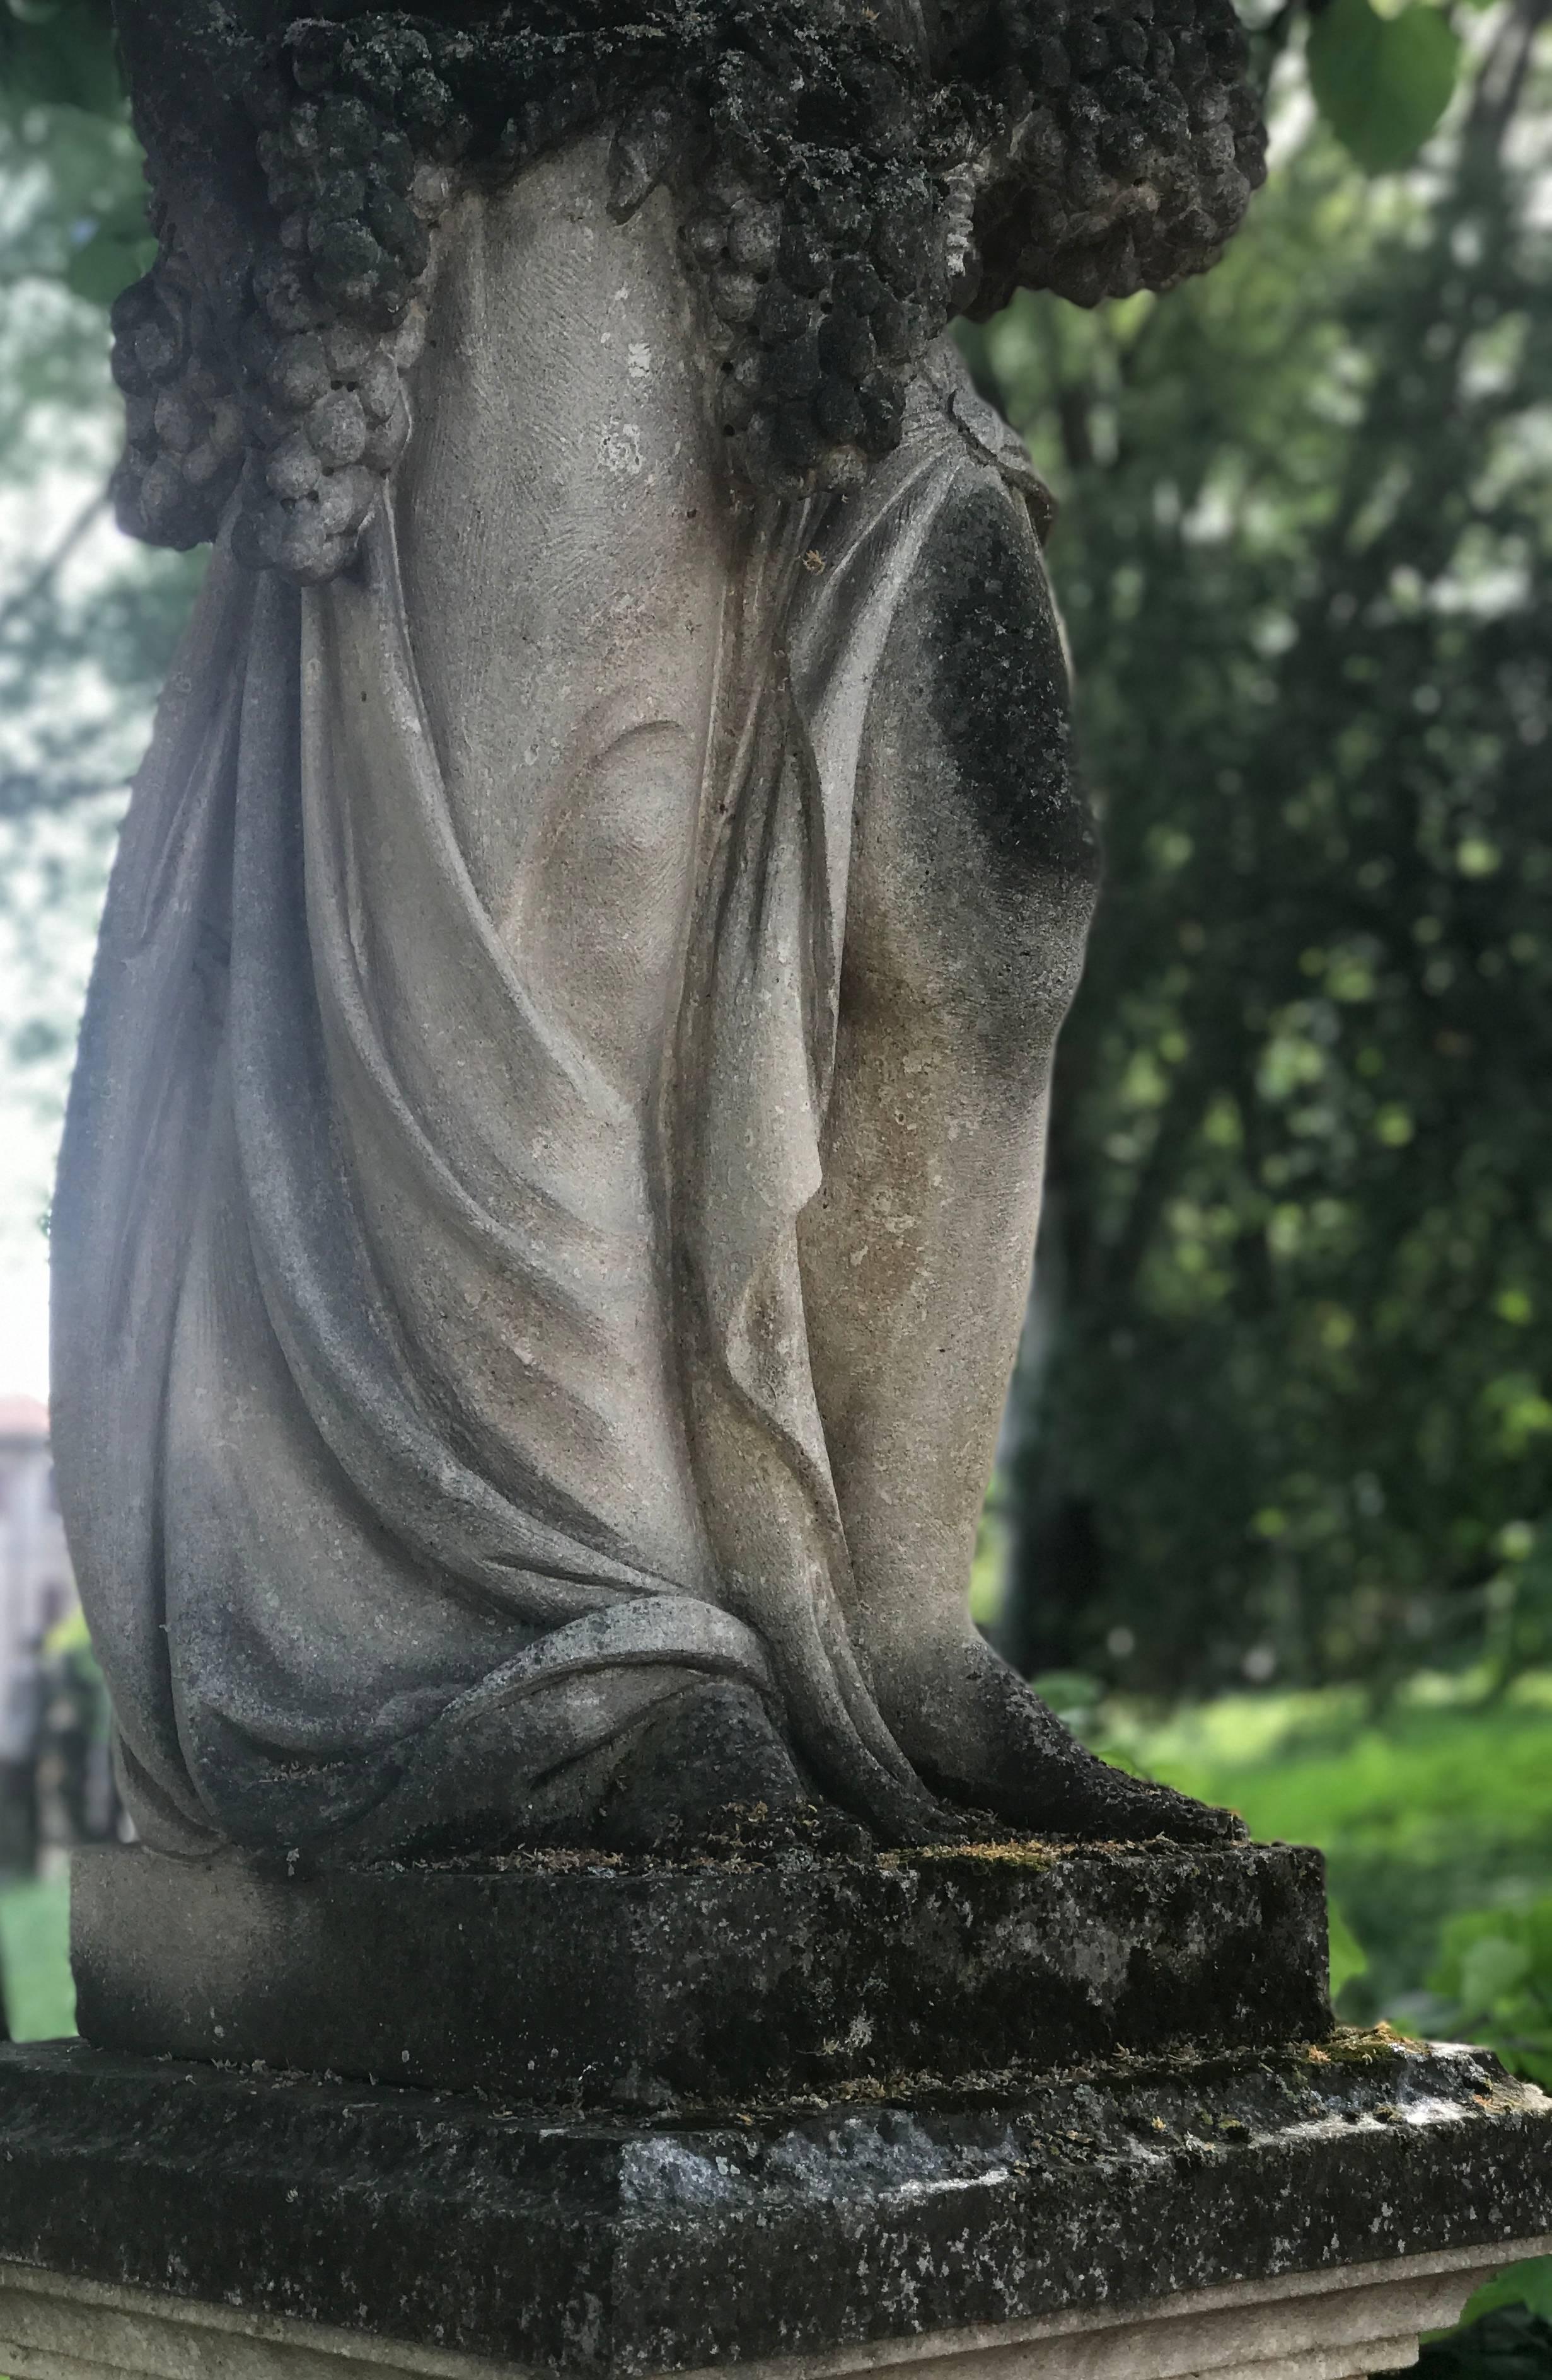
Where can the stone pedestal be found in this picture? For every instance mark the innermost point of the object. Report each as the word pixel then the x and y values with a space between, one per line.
pixel 743 1978
pixel 1310 2327
pixel 1289 2199
pixel 1060 2111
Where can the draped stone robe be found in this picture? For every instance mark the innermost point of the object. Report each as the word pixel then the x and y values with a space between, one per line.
pixel 434 1381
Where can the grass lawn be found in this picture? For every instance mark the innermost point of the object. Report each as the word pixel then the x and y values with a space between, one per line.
pixel 1443 1805
pixel 34 1945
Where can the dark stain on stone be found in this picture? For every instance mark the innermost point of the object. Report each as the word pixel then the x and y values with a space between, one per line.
pixel 999 694
pixel 627 2245
pixel 636 1982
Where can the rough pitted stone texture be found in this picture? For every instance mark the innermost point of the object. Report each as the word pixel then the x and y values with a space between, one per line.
pixel 568 1060
pixel 613 2246
pixel 640 1984
pixel 845 179
pixel 1340 2324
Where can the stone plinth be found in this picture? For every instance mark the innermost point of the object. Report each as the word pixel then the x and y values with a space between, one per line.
pixel 646 1983
pixel 1310 2326
pixel 612 2245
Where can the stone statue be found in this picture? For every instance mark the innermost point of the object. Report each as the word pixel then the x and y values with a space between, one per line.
pixel 554 1164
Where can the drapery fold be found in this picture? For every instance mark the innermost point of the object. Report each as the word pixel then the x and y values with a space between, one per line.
pixel 336 1360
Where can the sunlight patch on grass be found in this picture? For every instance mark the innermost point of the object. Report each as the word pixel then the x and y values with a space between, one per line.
pixel 1442 1804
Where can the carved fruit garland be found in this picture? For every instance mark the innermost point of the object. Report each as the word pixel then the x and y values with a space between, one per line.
pixel 837 203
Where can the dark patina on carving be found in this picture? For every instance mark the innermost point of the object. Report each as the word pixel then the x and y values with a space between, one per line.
pixel 845 178
pixel 737 1974
pixel 652 2248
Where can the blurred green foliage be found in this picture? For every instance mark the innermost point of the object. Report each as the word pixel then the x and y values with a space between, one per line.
pixel 76 648
pixel 1438 1810
pixel 1513 2342
pixel 1528 2285
pixel 35 1950
pixel 88 622
pixel 1493 1984
pixel 1436 1825
pixel 60 52
pixel 1284 1408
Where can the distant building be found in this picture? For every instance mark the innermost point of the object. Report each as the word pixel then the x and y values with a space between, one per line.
pixel 37 1586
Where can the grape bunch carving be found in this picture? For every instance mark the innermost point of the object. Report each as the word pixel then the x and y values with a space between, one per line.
pixel 837 198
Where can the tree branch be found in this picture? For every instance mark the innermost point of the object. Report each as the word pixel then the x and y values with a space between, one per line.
pixel 1501 83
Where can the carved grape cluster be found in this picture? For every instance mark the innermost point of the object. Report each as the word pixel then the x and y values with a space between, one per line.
pixel 1136 142
pixel 357 170
pixel 824 293
pixel 186 438
pixel 1129 144
pixel 838 196
pixel 818 316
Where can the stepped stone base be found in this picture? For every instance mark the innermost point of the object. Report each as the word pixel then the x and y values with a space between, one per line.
pixel 1312 2326
pixel 866 2229
pixel 1011 2113
pixel 644 1984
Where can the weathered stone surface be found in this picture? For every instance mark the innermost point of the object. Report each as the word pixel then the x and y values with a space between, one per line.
pixel 1332 2325
pixel 820 288
pixel 640 1983
pixel 608 2245
pixel 554 1169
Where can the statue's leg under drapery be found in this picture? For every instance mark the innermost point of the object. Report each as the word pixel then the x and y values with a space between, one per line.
pixel 973 874
pixel 571 566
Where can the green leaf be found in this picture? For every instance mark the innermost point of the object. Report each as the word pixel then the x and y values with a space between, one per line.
pixel 1383 82
pixel 1495 1975
pixel 1528 2285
